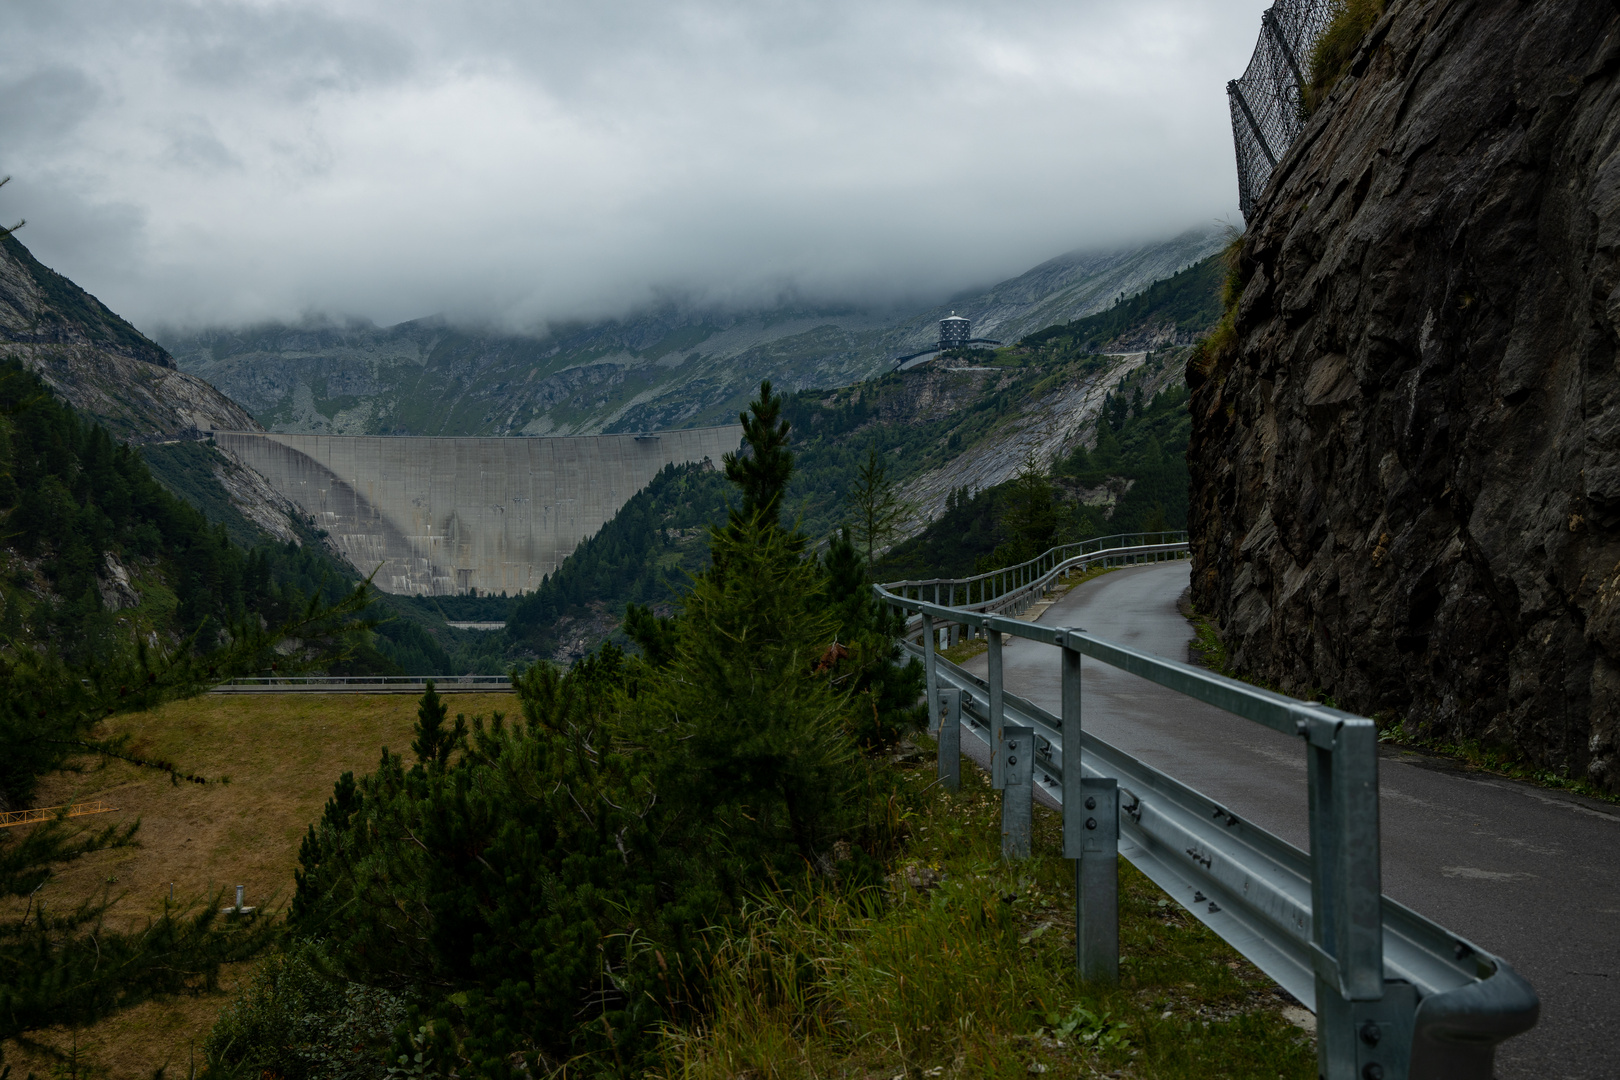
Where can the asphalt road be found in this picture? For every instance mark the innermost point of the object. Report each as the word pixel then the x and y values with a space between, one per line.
pixel 1528 873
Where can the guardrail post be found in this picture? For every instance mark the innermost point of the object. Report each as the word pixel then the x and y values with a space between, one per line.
pixel 932 679
pixel 1018 760
pixel 992 637
pixel 1090 838
pixel 950 739
pixel 1364 1025
pixel 1096 880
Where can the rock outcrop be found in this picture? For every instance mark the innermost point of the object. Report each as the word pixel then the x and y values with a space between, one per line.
pixel 110 371
pixel 99 363
pixel 1406 476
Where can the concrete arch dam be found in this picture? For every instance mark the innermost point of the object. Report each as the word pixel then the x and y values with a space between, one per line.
pixel 444 515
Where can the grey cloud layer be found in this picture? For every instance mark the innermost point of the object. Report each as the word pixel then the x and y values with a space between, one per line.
pixel 235 161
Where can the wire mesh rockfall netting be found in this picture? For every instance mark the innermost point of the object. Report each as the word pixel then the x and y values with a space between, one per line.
pixel 1268 101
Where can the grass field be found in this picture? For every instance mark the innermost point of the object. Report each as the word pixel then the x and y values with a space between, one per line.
pixel 281 754
pixel 963 969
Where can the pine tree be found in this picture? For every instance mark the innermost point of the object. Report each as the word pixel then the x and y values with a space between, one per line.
pixel 761 469
pixel 1030 520
pixel 434 743
pixel 876 506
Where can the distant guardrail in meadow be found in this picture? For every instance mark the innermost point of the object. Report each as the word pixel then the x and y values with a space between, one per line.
pixel 367 684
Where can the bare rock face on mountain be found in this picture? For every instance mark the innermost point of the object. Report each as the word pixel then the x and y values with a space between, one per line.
pixel 111 372
pixel 1406 480
pixel 98 362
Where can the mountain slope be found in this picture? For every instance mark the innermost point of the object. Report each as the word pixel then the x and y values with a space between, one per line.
pixel 98 362
pixel 113 374
pixel 673 367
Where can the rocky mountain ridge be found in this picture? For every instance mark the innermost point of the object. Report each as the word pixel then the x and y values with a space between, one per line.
pixel 674 367
pixel 110 371
pixel 98 362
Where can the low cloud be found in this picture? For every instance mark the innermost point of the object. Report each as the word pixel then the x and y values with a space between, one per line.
pixel 229 162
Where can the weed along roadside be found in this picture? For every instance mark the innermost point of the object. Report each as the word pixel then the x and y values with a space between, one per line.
pixel 962 963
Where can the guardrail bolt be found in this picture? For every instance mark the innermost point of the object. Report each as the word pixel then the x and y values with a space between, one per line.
pixel 1370 1033
pixel 1372 1071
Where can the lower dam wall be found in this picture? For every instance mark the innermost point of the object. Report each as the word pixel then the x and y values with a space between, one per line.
pixel 441 516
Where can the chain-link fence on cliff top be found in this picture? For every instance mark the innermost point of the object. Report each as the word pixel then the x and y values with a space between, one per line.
pixel 1267 102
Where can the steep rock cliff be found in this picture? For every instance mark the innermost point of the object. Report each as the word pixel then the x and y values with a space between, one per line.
pixel 1406 476
pixel 108 370
pixel 96 361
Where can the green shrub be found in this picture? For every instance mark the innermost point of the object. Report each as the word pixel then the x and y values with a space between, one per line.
pixel 1333 51
pixel 297 1022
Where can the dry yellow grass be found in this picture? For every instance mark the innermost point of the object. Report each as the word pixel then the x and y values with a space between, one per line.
pixel 282 753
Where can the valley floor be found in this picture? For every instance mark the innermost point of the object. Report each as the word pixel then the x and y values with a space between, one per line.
pixel 962 966
pixel 281 755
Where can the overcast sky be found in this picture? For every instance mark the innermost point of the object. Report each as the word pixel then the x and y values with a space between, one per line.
pixel 523 160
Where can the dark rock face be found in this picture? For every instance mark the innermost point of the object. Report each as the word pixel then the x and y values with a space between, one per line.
pixel 1406 479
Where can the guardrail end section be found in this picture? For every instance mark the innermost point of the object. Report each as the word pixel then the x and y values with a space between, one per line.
pixel 1457 1032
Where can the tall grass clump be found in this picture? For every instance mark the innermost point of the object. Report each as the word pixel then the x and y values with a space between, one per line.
pixel 962 965
pixel 1333 51
pixel 1220 345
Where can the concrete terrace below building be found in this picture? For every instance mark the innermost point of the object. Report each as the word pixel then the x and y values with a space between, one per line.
pixel 442 516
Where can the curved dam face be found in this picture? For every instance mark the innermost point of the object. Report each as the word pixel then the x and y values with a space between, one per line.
pixel 440 516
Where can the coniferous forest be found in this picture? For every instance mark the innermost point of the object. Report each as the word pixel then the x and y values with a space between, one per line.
pixel 526 890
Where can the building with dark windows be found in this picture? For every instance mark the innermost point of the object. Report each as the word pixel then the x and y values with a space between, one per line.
pixel 954 332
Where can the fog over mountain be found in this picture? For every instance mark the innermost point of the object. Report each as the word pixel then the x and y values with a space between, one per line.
pixel 243 161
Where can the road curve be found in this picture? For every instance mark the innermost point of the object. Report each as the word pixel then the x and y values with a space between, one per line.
pixel 1528 873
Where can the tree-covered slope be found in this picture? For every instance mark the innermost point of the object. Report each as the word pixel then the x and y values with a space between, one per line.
pixel 645 555
pixel 1133 478
pixel 105 546
pixel 1180 307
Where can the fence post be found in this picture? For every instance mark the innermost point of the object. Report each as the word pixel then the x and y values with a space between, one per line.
pixel 1090 838
pixel 950 740
pixel 992 637
pixel 932 679
pixel 1096 881
pixel 1070 723
pixel 1018 757
pixel 1364 1026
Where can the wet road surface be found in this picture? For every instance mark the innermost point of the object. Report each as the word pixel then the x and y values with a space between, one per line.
pixel 1528 873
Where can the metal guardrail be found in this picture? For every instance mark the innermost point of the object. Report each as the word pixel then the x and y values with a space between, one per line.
pixel 366 684
pixel 1012 589
pixel 10 818
pixel 1396 995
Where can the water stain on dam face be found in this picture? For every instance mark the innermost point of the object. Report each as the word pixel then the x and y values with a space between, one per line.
pixel 444 515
